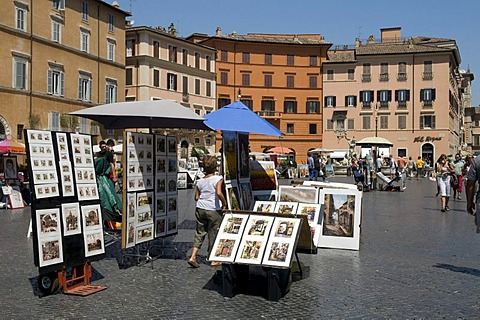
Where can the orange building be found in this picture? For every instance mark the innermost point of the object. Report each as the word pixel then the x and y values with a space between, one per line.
pixel 279 77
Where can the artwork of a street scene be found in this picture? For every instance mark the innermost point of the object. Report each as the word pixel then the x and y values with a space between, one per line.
pixel 339 213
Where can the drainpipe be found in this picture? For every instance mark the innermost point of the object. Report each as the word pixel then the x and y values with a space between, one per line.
pixel 30 73
pixel 234 69
pixel 413 93
pixel 98 54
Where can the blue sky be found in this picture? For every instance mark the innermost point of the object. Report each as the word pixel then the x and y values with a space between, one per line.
pixel 339 21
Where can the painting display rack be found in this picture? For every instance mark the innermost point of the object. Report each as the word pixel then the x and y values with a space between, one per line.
pixel 144 251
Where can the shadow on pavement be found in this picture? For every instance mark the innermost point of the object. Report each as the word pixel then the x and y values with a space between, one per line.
pixel 470 271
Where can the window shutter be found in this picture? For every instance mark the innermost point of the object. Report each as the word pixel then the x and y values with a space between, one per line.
pixel 49 82
pixel 116 93
pixel 421 94
pixel 175 82
pixel 334 101
pixel 90 86
pixel 389 95
pixel 346 101
pixel 355 101
pixel 325 101
pixel 378 95
pixel 408 95
pixel 80 89
pixel 433 95
pixel 433 122
pixel 421 122
pixel 62 82
pixel 361 96
pixel 396 95
pixel 107 94
pixel 371 95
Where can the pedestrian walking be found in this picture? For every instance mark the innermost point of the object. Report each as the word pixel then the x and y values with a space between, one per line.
pixel 444 171
pixel 473 204
pixel 458 165
pixel 311 167
pixel 419 165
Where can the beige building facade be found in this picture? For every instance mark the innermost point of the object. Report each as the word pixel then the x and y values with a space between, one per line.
pixel 408 91
pixel 162 65
pixel 57 57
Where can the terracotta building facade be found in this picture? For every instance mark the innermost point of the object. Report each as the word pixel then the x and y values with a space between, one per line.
pixel 162 65
pixel 409 91
pixel 57 57
pixel 278 77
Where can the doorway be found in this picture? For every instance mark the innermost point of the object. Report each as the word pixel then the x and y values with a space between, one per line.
pixel 428 153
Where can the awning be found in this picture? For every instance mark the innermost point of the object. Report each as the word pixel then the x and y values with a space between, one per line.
pixel 338 154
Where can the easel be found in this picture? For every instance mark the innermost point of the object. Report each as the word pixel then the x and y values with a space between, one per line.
pixel 79 282
pixel 148 257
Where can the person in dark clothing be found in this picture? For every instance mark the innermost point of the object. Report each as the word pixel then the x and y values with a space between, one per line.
pixel 108 155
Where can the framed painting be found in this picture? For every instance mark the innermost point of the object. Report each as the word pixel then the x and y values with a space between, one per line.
pixel 311 210
pixel 298 194
pixel 160 145
pixel 182 180
pixel 172 184
pixel 281 243
pixel 48 223
pixel 233 197
pixel 46 190
pixel 144 233
pixel 254 240
pixel 10 169
pixel 160 205
pixel 130 238
pixel 302 170
pixel 243 155
pixel 286 207
pixel 263 176
pixel 247 195
pixel 172 146
pixel 171 205
pixel 50 251
pixel 230 162
pixel 228 237
pixel 87 191
pixel 265 195
pixel 16 199
pixel 71 219
pixel 172 224
pixel 264 206
pixel 94 243
pixel 131 206
pixel 341 219
pixel 333 185
pixel 39 136
pixel 91 217
pixel 160 226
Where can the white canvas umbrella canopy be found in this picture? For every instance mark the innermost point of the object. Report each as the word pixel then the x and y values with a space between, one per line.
pixel 374 141
pixel 143 114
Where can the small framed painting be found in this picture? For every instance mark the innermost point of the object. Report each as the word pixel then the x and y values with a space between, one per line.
pixel 298 194
pixel 281 243
pixel 160 226
pixel 130 241
pixel 233 197
pixel 172 204
pixel 94 243
pixel 265 195
pixel 286 207
pixel 50 251
pixel 92 217
pixel 71 219
pixel 182 180
pixel 160 145
pixel 46 190
pixel 172 224
pixel 311 210
pixel 144 233
pixel 160 205
pixel 172 146
pixel 264 206
pixel 48 223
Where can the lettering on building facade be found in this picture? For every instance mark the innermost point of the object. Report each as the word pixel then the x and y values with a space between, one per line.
pixel 426 139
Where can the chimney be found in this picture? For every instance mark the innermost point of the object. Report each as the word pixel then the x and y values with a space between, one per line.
pixel 218 32
pixel 358 43
pixel 172 30
pixel 371 39
pixel 115 4
pixel 345 47
pixel 390 34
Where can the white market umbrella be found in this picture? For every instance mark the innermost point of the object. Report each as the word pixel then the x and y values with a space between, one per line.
pixel 374 141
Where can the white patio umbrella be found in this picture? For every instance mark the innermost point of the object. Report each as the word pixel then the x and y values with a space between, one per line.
pixel 374 141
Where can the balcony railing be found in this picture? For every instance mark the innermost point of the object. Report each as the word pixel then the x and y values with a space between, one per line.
pixel 427 75
pixel 366 105
pixel 402 76
pixel 366 77
pixel 428 104
pixel 269 114
pixel 402 104
pixel 383 77
pixel 383 104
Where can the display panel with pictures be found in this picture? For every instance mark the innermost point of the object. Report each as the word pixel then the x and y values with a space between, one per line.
pixel 81 146
pixel 341 216
pixel 49 233
pixel 182 180
pixel 281 243
pixel 254 240
pixel 71 218
pixel 286 207
pixel 264 206
pixel 228 238
pixel 298 194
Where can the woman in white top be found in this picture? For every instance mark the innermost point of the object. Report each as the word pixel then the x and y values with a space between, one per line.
pixel 444 170
pixel 208 212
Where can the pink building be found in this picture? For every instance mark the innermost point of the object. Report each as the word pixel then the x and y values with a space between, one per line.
pixel 408 91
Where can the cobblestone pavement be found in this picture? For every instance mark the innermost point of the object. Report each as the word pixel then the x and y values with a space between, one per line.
pixel 414 262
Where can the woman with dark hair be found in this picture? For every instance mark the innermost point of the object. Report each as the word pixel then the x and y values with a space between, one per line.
pixel 444 170
pixel 210 203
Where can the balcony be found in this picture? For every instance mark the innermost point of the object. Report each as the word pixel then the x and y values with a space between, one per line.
pixel 402 105
pixel 366 105
pixel 427 104
pixel 383 77
pixel 366 77
pixel 427 75
pixel 402 76
pixel 383 105
pixel 269 114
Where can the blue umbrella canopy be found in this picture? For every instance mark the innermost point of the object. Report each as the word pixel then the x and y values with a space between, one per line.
pixel 238 117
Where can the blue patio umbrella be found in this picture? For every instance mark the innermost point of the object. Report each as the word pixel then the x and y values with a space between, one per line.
pixel 238 117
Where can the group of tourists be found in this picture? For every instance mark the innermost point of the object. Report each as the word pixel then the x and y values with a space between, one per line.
pixel 318 165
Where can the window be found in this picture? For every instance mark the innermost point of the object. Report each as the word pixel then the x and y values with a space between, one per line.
pixel 55 82
pixel 184 85
pixel 84 10
pixel 20 73
pixel 54 121
pixel 56 31
pixel 366 98
pixel 330 101
pixel 197 86
pixel 268 80
pixel 384 97
pixel 351 124
pixel 110 22
pixel 111 91
pixel 427 96
pixel 329 124
pixel 402 96
pixel 351 74
pixel 83 125
pixel 366 75
pixel 290 60
pixel 222 101
pixel 290 106
pixel 401 152
pixel 223 77
pixel 156 78
pixel 366 122
pixel 383 121
pixel 427 122
pixel 402 71
pixel 313 81
pixel 171 81
pixel 427 70
pixel 245 79
pixel 84 40
pixel 58 4
pixel 290 128
pixel 128 76
pixel 85 87
pixel 185 57
pixel 402 121
pixel 224 55
pixel 20 18
pixel 156 49
pixel 248 102
pixel 383 71
pixel 290 81
pixel 329 74
pixel 198 111
pixel 20 131
pixel 340 124
pixel 208 89
pixel 110 50
pixel 172 53
pixel 208 141
pixel 130 48
pixel 197 140
pixel 312 128
pixel 268 106
pixel 208 61
pixel 351 101
pixel 313 106
pixel 313 61
pixel 268 58
pixel 245 57
pixel 197 60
